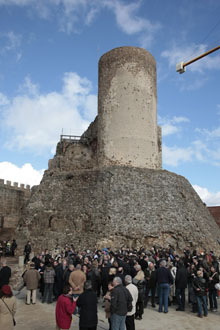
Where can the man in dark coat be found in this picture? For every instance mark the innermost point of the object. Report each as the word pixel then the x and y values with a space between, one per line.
pixel 181 284
pixel 87 302
pixel 164 280
pixel 27 251
pixel 5 274
pixel 120 299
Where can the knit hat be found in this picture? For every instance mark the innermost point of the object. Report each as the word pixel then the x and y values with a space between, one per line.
pixel 6 290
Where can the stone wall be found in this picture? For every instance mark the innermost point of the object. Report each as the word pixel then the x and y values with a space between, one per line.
pixel 12 201
pixel 117 206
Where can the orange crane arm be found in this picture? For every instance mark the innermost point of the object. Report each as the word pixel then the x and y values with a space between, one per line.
pixel 181 67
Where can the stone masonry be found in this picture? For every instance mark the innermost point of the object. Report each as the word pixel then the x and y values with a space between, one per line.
pixel 12 201
pixel 108 188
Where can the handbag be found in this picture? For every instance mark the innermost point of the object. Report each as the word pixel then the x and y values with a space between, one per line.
pixel 217 286
pixel 14 322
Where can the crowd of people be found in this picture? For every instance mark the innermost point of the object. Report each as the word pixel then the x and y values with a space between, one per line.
pixel 125 281
pixel 8 248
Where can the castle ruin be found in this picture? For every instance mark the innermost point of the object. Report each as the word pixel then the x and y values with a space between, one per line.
pixel 108 188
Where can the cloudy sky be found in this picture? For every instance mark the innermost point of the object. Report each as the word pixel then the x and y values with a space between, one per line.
pixel 49 52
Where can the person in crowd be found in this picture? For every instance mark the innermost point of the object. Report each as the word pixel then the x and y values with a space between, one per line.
pixel 41 270
pixel 181 284
pixel 7 308
pixel 213 280
pixel 87 303
pixel 66 274
pixel 120 300
pixel 76 280
pixel 31 279
pixel 107 300
pixel 139 281
pixel 5 273
pixel 49 275
pixel 200 286
pixel 164 280
pixel 129 321
pixel 65 307
pixel 13 247
pixel 151 283
pixel 58 282
pixel 27 252
pixel 105 267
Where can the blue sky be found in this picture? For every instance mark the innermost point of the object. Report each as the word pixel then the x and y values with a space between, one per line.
pixel 49 52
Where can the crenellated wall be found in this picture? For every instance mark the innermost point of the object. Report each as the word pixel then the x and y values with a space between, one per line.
pixel 13 197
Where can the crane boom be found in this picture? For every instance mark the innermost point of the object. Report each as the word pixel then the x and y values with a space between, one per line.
pixel 181 67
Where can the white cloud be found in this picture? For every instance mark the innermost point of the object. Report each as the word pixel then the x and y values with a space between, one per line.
pixel 25 174
pixel 210 198
pixel 71 14
pixel 10 41
pixel 36 120
pixel 171 125
pixel 3 100
pixel 173 156
pixel 130 23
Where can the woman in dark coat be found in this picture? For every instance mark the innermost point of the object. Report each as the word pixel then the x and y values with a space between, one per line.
pixel 87 302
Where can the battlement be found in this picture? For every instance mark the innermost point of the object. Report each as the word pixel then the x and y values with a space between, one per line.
pixel 15 185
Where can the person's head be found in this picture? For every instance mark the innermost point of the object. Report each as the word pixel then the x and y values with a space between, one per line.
pixel 137 267
pixel 67 289
pixel 78 266
pixel 88 285
pixel 128 279
pixel 163 263
pixel 71 267
pixel 199 273
pixel 117 281
pixel 213 270
pixel 151 266
pixel 32 265
pixel 6 291
pixel 110 286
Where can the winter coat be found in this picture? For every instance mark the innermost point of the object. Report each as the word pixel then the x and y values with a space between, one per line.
pixel 5 274
pixel 212 283
pixel 140 284
pixel 6 319
pixel 77 279
pixel 119 300
pixel 199 283
pixel 87 302
pixel 163 275
pixel 49 275
pixel 64 310
pixel 181 278
pixel 31 278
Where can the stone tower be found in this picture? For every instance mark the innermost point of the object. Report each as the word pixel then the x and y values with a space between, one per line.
pixel 108 189
pixel 127 109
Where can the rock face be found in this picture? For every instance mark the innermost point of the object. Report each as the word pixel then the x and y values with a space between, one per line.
pixel 108 188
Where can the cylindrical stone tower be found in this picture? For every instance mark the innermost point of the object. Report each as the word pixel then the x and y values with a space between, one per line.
pixel 127 109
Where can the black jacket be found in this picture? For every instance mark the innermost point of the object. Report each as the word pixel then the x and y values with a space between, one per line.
pixel 163 275
pixel 199 283
pixel 5 274
pixel 181 278
pixel 87 302
pixel 120 296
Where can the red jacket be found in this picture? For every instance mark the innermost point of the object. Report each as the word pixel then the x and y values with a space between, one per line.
pixel 64 310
